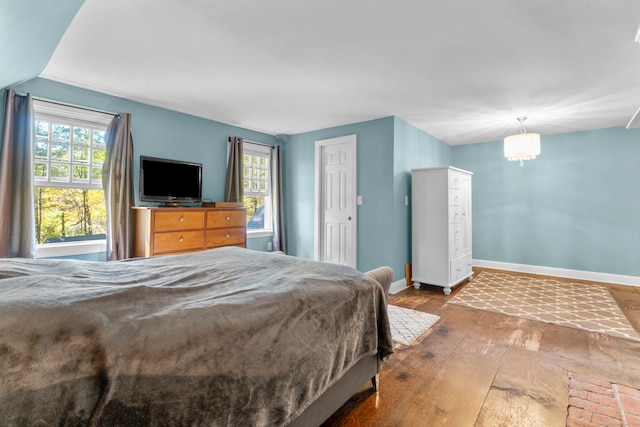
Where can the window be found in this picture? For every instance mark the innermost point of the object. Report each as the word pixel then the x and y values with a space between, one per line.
pixel 69 203
pixel 257 188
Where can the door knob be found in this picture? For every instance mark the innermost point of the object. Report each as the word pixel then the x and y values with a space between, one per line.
pixel 349 218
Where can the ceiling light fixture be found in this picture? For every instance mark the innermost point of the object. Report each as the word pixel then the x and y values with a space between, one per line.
pixel 637 39
pixel 522 146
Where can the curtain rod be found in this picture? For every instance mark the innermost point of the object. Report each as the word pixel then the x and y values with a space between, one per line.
pixel 75 106
pixel 254 142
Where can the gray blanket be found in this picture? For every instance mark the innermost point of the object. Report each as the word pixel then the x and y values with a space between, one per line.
pixel 222 337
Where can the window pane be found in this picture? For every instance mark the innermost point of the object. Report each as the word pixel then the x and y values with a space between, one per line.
pixel 98 137
pixel 69 214
pixel 59 172
pixel 42 148
pixel 256 161
pixel 246 159
pixel 42 129
pixel 59 151
pixel 81 173
pixel 246 184
pixel 96 173
pixel 40 169
pixel 99 155
pixel 81 135
pixel 255 212
pixel 81 153
pixel 60 132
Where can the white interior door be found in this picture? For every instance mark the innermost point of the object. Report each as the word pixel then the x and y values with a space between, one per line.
pixel 335 222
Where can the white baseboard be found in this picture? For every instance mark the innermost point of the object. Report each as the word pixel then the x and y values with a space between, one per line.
pixel 560 272
pixel 397 286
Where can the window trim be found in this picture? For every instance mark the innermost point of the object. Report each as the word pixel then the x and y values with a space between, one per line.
pixel 81 117
pixel 258 148
pixel 50 250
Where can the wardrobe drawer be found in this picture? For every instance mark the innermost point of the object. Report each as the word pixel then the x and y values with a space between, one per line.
pixel 455 248
pixel 455 198
pixel 455 214
pixel 460 268
pixel 177 241
pixel 226 237
pixel 179 220
pixel 455 179
pixel 223 219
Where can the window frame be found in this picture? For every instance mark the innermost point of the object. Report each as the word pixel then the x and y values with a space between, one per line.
pixel 76 116
pixel 263 150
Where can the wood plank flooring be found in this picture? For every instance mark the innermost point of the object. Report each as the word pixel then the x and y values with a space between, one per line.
pixel 478 368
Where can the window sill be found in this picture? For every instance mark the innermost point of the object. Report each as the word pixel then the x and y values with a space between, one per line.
pixel 70 248
pixel 253 234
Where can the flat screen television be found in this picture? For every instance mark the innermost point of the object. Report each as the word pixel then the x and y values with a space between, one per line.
pixel 170 182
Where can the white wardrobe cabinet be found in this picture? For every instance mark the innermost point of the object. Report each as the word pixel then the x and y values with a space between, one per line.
pixel 441 227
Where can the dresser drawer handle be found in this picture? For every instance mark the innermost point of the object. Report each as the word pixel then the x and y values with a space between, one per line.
pixel 181 219
pixel 227 236
pixel 228 218
pixel 181 239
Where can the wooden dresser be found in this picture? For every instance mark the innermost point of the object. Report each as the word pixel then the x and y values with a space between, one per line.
pixel 168 231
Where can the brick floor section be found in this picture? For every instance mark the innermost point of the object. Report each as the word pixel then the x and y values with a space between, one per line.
pixel 594 402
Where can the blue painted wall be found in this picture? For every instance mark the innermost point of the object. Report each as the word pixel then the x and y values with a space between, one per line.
pixel 413 148
pixel 161 133
pixel 375 185
pixel 577 206
pixel 34 27
pixel 387 150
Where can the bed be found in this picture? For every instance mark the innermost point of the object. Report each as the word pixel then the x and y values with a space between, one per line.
pixel 222 337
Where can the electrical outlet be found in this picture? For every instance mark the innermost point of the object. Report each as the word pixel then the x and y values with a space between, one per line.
pixel 269 246
pixel 406 200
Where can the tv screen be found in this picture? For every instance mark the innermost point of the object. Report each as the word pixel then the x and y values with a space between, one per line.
pixel 170 181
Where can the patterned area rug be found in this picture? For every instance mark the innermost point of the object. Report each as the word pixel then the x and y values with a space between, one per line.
pixel 576 305
pixel 407 325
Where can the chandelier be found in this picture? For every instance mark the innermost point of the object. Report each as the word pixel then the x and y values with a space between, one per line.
pixel 522 146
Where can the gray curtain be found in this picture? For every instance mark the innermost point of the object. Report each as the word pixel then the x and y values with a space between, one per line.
pixel 277 200
pixel 234 189
pixel 117 182
pixel 17 218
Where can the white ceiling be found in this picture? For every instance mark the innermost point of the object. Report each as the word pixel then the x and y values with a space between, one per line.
pixel 461 70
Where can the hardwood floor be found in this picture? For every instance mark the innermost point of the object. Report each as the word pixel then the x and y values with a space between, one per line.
pixel 478 368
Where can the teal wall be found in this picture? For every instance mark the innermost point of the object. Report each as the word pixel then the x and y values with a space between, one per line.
pixel 374 184
pixel 387 150
pixel 162 133
pixel 34 27
pixel 574 207
pixel 412 149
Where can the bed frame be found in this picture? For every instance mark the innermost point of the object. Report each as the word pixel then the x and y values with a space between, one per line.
pixel 340 392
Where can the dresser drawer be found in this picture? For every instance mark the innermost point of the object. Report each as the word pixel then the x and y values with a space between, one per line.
pixel 177 241
pixel 179 220
pixel 226 237
pixel 224 219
